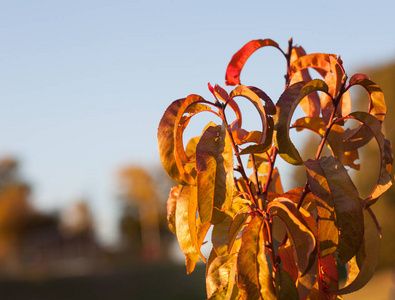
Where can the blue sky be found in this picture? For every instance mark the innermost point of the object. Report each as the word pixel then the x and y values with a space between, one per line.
pixel 83 84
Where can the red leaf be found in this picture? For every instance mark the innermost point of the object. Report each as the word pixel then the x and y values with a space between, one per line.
pixel 238 60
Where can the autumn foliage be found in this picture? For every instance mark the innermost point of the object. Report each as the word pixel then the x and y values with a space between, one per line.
pixel 267 243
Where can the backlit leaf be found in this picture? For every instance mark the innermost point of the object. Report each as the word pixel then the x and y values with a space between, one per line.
pixel 306 281
pixel 302 238
pixel 311 103
pixel 377 106
pixel 242 136
pixel 360 136
pixel 334 190
pixel 370 251
pixel 197 230
pixel 214 164
pixel 320 62
pixel 270 108
pixel 253 276
pixel 261 148
pixel 285 286
pixel 182 228
pixel 238 60
pixel 236 225
pixel 219 236
pixel 166 141
pixel 170 130
pixel 286 254
pixel 245 92
pixel 318 126
pixel 286 106
pixel 329 274
pixel 384 181
pixel 171 207
pixel 218 275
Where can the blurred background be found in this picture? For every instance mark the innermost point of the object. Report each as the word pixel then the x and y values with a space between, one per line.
pixel 83 85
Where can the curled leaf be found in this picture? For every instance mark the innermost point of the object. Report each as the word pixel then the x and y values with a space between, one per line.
pixel 245 92
pixel 377 106
pixel 384 181
pixel 302 237
pixel 214 165
pixel 338 204
pixel 286 106
pixel 358 277
pixel 360 136
pixel 311 103
pixel 238 60
pixel 170 131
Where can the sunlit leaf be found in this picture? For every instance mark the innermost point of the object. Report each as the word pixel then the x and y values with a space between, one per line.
pixel 219 236
pixel 243 91
pixel 214 164
pixel 285 286
pixel 369 251
pixel 170 130
pixel 238 60
pixel 261 148
pixel 218 274
pixel 306 281
pixel 302 238
pixel 384 181
pixel 329 274
pixel 242 136
pixel 336 194
pixel 360 136
pixel 270 108
pixel 286 254
pixel 253 276
pixel 238 222
pixel 166 141
pixel 319 61
pixel 377 106
pixel 318 126
pixel 286 106
pixel 311 103
pixel 182 228
pixel 171 207
pixel 197 229
pixel 239 205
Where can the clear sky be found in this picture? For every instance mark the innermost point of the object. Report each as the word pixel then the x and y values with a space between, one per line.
pixel 83 84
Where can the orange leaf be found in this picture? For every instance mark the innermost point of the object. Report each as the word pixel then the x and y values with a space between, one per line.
pixel 183 230
pixel 253 275
pixel 214 165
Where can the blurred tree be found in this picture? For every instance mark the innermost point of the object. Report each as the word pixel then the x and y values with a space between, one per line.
pixel 143 216
pixel 15 211
pixel 77 220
